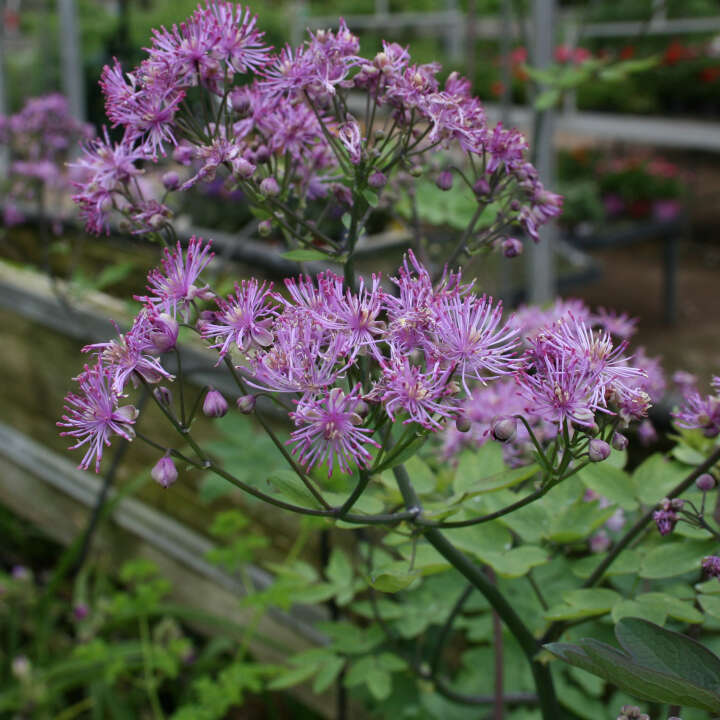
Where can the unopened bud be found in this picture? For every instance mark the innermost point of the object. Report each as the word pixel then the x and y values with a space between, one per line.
pixel 379 134
pixel 243 169
pixel 512 247
pixel 171 180
pixel 377 180
pixel 269 187
pixel 415 171
pixel 362 408
pixel 164 473
pixel 264 228
pixel 705 482
pixel 246 404
pixel 214 405
pixel 262 154
pixel 504 429
pixel 165 332
pixel 463 423
pixel 80 611
pixel 481 187
pixel 163 395
pixel 619 441
pixel 156 221
pixel 598 450
pixel 444 180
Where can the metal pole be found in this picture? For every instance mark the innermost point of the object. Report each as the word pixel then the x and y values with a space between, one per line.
pixel 73 81
pixel 4 154
pixel 541 266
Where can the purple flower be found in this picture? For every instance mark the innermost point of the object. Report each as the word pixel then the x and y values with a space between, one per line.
pixel 173 288
pixel 561 389
pixel 357 314
pixel 329 430
pixel 349 136
pixel 303 358
pixel 619 325
pixel 472 339
pixel 700 411
pixel 666 517
pixel 244 319
pixel 130 353
pixel 94 415
pixel 711 566
pixel 426 397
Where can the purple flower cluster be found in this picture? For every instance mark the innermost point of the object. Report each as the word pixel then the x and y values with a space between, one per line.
pixel 284 134
pixel 666 516
pixel 570 371
pixel 95 413
pixel 700 411
pixel 40 139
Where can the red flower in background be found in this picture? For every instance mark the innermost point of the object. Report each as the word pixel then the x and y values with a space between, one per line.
pixel 627 53
pixel 677 52
pixel 710 74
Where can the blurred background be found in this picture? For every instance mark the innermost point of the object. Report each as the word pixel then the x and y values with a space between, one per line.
pixel 621 105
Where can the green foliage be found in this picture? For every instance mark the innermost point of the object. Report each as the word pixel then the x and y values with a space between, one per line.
pixel 655 664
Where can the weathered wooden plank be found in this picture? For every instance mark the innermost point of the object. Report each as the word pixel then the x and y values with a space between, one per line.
pixel 46 489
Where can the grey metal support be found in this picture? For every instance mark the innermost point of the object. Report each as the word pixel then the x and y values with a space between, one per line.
pixel 454 35
pixel 4 155
pixel 73 82
pixel 541 266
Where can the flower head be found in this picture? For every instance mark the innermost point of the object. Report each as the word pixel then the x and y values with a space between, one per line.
pixel 173 288
pixel 329 430
pixel 94 415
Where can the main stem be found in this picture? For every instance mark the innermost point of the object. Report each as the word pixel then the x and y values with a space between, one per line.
pixel 477 577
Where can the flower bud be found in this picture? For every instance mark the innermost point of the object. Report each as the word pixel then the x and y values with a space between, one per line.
pixel 512 247
pixel 619 441
pixel 246 404
pixel 214 405
pixel 415 171
pixel 598 450
pixel 711 566
pixel 163 395
pixel 156 221
pixel 243 168
pixel 264 228
pixel 269 187
pixel 164 473
pixel 80 611
pixel 262 154
pixel 362 408
pixel 481 187
pixel 377 180
pixel 165 332
pixel 504 429
pixel 705 482
pixel 379 134
pixel 444 180
pixel 171 180
pixel 463 423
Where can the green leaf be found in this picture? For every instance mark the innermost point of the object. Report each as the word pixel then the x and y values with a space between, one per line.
pixel 293 676
pixel 474 466
pixel 516 562
pixel 393 577
pixel 287 486
pixel 370 197
pixel 710 604
pixel 584 603
pixel 656 477
pixel 328 673
pixel 626 563
pixel 423 479
pixel 305 255
pixel 669 651
pixel 578 521
pixel 675 558
pixel 657 664
pixel 501 481
pixel 547 99
pixel 610 482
